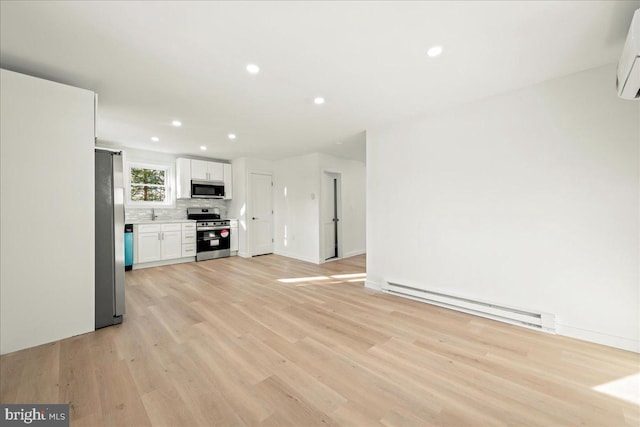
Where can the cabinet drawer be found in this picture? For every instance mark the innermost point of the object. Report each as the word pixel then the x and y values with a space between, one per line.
pixel 188 237
pixel 188 226
pixel 148 228
pixel 189 249
pixel 170 227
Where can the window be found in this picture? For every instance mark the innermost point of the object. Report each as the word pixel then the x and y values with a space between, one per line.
pixel 149 185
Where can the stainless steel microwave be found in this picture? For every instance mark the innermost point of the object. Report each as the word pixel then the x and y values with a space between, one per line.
pixel 207 189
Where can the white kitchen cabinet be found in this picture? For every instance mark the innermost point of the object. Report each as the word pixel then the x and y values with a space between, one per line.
pixel 189 249
pixel 188 226
pixel 148 244
pixel 207 171
pixel 228 181
pixel 216 171
pixel 159 242
pixel 200 170
pixel 148 247
pixel 189 239
pixel 183 178
pixel 171 246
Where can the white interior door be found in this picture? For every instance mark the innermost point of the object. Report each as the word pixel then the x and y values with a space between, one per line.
pixel 329 215
pixel 260 189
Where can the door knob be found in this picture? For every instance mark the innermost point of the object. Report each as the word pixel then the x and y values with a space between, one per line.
pixel 253 217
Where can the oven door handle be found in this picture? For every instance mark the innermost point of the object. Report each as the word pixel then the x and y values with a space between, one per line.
pixel 211 228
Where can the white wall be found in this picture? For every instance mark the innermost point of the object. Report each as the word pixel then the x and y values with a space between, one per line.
pixel 240 207
pixel 47 226
pixel 296 219
pixel 353 178
pixel 297 223
pixel 528 199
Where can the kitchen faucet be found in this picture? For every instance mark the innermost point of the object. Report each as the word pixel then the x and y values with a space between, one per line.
pixel 153 214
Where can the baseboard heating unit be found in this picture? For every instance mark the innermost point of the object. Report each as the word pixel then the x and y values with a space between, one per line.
pixel 527 318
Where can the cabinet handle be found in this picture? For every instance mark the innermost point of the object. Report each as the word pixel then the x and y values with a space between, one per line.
pixel 158 235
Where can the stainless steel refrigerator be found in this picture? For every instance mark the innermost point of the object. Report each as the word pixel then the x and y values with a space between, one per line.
pixel 109 238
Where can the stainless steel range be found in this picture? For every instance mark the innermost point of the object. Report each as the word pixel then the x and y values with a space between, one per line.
pixel 213 234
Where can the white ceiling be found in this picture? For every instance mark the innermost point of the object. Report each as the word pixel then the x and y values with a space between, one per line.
pixel 152 62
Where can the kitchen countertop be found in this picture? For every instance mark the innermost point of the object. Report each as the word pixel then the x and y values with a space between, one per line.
pixel 160 221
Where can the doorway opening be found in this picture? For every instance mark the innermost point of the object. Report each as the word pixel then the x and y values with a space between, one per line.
pixel 331 213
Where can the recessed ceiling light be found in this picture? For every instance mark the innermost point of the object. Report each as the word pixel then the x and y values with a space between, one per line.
pixel 232 136
pixel 434 51
pixel 176 123
pixel 253 69
pixel 203 148
pixel 155 139
pixel 318 100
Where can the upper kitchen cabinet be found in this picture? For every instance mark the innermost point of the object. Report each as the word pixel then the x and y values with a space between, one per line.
pixel 207 171
pixel 183 178
pixel 228 181
pixel 201 170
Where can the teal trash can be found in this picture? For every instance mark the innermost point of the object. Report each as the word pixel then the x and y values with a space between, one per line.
pixel 128 247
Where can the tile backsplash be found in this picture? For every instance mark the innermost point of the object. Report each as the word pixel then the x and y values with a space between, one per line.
pixel 179 212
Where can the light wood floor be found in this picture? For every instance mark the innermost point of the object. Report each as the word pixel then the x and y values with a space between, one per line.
pixel 223 342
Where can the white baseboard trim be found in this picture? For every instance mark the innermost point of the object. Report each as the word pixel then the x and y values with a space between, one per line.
pixel 354 253
pixel 163 262
pixel 298 257
pixel 376 286
pixel 244 254
pixel 599 338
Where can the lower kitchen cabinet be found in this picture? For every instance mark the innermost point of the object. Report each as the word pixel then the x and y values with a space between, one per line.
pixel 189 250
pixel 155 243
pixel 148 246
pixel 171 242
pixel 188 239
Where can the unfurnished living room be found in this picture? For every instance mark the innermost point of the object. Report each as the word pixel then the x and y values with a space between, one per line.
pixel 297 213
